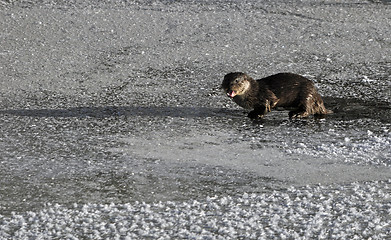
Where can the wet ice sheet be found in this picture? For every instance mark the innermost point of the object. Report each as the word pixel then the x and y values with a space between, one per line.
pixel 124 155
pixel 353 211
pixel 291 152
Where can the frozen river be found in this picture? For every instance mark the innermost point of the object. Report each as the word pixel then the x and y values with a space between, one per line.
pixel 113 125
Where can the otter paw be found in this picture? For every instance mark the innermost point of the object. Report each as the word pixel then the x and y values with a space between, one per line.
pixel 254 115
pixel 298 114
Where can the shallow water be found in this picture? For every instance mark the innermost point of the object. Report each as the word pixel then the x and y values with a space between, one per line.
pixel 117 106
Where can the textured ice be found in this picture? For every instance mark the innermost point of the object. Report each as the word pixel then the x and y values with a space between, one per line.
pixel 368 148
pixel 113 125
pixel 354 211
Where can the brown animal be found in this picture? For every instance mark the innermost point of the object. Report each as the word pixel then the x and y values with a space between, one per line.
pixel 287 90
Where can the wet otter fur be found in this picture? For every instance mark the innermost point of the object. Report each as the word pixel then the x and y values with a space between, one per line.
pixel 287 90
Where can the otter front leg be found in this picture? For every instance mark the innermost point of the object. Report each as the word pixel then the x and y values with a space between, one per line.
pixel 258 112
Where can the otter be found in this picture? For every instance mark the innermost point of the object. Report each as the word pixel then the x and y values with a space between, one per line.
pixel 286 90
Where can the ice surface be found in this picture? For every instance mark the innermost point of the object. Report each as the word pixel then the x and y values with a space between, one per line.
pixel 113 124
pixel 353 211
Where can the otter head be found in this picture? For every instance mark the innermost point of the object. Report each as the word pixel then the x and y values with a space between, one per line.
pixel 235 84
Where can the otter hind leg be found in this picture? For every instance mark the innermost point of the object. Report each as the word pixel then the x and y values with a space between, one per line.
pixel 316 105
pixel 304 108
pixel 312 104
